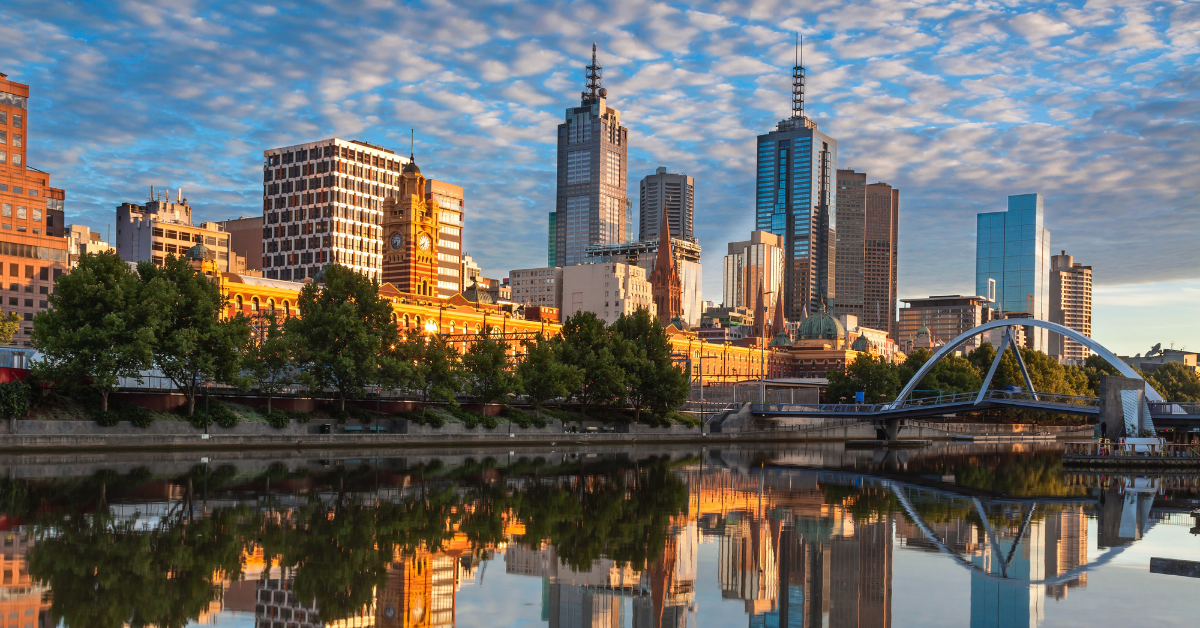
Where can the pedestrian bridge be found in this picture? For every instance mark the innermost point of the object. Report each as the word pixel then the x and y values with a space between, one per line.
pixel 1164 414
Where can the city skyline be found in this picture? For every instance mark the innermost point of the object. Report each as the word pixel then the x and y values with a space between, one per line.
pixel 694 87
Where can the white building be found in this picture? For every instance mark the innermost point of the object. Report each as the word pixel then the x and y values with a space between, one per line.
pixel 753 265
pixel 83 240
pixel 160 228
pixel 537 286
pixel 607 290
pixel 645 252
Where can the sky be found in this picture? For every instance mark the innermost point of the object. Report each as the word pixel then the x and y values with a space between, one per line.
pixel 1095 105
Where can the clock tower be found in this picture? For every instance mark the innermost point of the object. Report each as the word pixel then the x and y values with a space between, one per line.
pixel 410 237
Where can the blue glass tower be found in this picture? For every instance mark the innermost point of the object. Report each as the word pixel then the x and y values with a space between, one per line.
pixel 796 198
pixel 1013 248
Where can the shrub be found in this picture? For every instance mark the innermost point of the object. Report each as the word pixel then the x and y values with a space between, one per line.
pixel 136 415
pixel 106 419
pixel 474 419
pixel 522 418
pixel 280 419
pixel 218 414
pixel 428 418
pixel 15 399
pixel 686 419
pixel 351 412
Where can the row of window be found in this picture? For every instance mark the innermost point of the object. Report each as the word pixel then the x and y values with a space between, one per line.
pixel 18 141
pixel 345 152
pixel 13 100
pixel 16 158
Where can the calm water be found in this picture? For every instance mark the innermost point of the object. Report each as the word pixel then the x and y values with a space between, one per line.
pixel 583 536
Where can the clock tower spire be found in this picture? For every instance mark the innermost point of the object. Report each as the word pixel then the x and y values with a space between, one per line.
pixel 410 231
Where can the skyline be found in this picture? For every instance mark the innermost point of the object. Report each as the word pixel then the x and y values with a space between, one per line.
pixel 486 90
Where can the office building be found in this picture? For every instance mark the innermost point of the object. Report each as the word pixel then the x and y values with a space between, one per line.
pixel 867 252
pixel 246 236
pixel 83 240
pixel 552 241
pixel 32 250
pixel 1070 306
pixel 323 204
pixel 607 290
pixel 941 319
pixel 162 227
pixel 796 199
pixel 686 257
pixel 591 204
pixel 1012 248
pixel 753 266
pixel 447 200
pixel 537 286
pixel 470 270
pixel 670 194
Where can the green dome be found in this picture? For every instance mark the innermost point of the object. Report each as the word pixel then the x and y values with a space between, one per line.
pixel 781 339
pixel 861 344
pixel 822 326
pixel 198 252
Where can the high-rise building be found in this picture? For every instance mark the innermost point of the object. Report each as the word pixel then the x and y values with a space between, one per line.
pixel 323 203
pixel 672 194
pixel 1013 249
pixel 541 287
pixel 552 241
pixel 246 241
pixel 867 218
pixel 751 267
pixel 33 251
pixel 941 319
pixel 591 204
pixel 447 200
pixel 797 200
pixel 1070 306
pixel 162 227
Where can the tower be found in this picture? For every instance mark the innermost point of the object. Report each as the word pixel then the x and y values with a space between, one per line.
pixel 664 281
pixel 591 202
pixel 796 199
pixel 410 228
pixel 1013 248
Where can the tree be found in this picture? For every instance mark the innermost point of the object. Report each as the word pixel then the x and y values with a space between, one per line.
pixel 345 336
pixel 193 344
pixel 269 360
pixel 950 374
pixel 9 324
pixel 1175 382
pixel 543 376
pixel 588 346
pixel 99 328
pixel 486 367
pixel 644 353
pixel 878 380
pixel 437 373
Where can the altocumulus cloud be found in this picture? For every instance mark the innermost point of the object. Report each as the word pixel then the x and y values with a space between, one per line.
pixel 1094 105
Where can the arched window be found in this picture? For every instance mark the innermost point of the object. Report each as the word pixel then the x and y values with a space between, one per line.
pixel 270 306
pixel 417 320
pixel 254 305
pixel 406 321
pixel 238 301
pixel 477 328
pixel 287 309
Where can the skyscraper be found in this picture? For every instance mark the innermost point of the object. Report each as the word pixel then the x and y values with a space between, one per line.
pixel 447 200
pixel 752 267
pixel 797 199
pixel 673 194
pixel 1013 248
pixel 867 251
pixel 1070 306
pixel 591 204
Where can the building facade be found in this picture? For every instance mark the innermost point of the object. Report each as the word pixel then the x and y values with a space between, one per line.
pixel 591 203
pixel 83 240
pixel 664 281
pixel 670 194
pixel 447 200
pixel 753 266
pixel 540 287
pixel 686 256
pixel 1012 248
pixel 245 241
pixel 33 251
pixel 323 203
pixel 411 224
pixel 867 250
pixel 608 290
pixel 851 243
pixel 1070 306
pixel 162 227
pixel 941 319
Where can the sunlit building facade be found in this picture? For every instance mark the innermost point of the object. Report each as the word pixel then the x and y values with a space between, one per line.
pixel 1012 248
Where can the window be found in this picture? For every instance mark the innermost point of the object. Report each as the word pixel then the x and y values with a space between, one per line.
pixel 16 159
pixel 28 302
pixel 6 211
pixel 172 235
pixel 238 300
pixel 3 159
pixel 17 120
pixel 579 167
pixel 33 192
pixel 44 275
pixel 3 137
pixel 21 211
pixel 254 305
pixel 17 139
pixel 37 215
pixel 13 301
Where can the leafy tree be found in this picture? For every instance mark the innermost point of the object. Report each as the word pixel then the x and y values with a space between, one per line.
pixel 9 324
pixel 192 343
pixel 437 372
pixel 269 360
pixel 99 328
pixel 644 353
pixel 950 374
pixel 1094 368
pixel 588 346
pixel 1175 382
pixel 873 376
pixel 543 376
pixel 486 366
pixel 345 337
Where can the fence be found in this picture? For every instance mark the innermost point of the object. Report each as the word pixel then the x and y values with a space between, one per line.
pixel 1108 448
pixel 748 392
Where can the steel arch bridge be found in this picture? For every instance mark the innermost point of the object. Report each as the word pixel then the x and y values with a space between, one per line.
pixel 1161 412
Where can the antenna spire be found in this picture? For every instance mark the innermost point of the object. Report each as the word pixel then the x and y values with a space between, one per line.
pixel 412 142
pixel 593 74
pixel 798 80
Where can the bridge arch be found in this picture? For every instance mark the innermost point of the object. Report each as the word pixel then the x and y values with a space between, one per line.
pixel 948 348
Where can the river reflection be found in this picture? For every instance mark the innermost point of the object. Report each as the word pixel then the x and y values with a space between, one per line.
pixel 810 535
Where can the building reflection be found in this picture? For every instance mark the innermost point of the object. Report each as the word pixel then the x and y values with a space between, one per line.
pixel 22 601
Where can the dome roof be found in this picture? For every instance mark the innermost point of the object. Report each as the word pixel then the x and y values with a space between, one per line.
pixel 861 344
pixel 199 252
pixel 923 331
pixel 474 294
pixel 319 278
pixel 781 339
pixel 822 326
pixel 410 167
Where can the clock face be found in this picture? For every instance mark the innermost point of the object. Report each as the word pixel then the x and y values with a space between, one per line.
pixel 424 242
pixel 397 241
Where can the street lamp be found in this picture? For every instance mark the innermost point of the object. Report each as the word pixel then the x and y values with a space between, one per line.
pixel 762 353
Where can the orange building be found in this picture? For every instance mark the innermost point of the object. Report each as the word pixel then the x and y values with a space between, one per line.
pixel 33 251
pixel 411 228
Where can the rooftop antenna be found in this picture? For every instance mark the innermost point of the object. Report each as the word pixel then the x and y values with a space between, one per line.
pixel 152 192
pixel 412 141
pixel 798 80
pixel 594 77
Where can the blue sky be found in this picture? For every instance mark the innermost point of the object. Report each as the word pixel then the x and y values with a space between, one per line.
pixel 958 104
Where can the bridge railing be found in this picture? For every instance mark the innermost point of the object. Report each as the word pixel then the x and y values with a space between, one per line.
pixel 1167 407
pixel 1043 398
pixel 1118 450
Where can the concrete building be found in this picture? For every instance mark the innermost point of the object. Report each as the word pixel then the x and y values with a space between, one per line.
pixel 246 235
pixel 470 270
pixel 1070 306
pixel 33 251
pixel 164 227
pixel 591 203
pixel 943 318
pixel 1157 357
pixel 867 250
pixel 537 286
pixel 82 240
pixel 672 194
pixel 753 266
pixel 447 200
pixel 796 198
pixel 686 255
pixel 323 203
pixel 1013 249
pixel 607 290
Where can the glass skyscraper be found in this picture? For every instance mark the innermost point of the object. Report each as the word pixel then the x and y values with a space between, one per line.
pixel 1013 248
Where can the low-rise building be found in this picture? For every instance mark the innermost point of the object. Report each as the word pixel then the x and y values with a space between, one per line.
pixel 685 255
pixel 537 286
pixel 608 290
pixel 82 240
pixel 945 318
pixel 246 235
pixel 161 227
pixel 1156 357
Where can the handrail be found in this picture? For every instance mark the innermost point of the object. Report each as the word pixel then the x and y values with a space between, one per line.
pixel 1107 448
